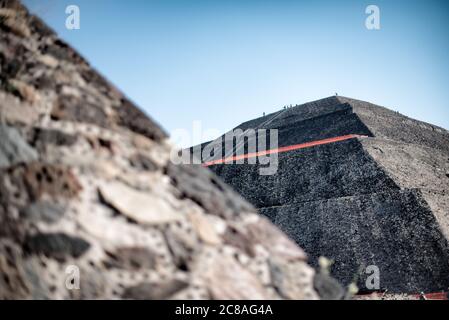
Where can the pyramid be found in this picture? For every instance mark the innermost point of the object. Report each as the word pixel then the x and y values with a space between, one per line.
pixel 91 207
pixel 359 184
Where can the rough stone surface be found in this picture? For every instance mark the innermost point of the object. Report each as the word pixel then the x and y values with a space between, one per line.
pixel 58 246
pixel 13 148
pixel 381 199
pixel 154 291
pixel 140 207
pixel 43 211
pixel 86 182
pixel 328 288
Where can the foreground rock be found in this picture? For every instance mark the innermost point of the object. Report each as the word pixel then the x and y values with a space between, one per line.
pixel 86 186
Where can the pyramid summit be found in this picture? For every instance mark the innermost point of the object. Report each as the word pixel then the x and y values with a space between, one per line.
pixel 362 185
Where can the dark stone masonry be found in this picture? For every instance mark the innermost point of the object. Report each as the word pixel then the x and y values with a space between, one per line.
pixel 380 199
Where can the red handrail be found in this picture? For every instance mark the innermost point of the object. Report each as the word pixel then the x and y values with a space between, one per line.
pixel 282 149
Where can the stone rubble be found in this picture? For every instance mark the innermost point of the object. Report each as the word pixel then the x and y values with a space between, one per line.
pixel 86 182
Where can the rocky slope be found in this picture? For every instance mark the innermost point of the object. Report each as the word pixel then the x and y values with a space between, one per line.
pixel 86 184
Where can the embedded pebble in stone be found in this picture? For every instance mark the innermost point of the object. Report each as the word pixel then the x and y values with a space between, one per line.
pixel 141 162
pixel 43 211
pixel 27 92
pixel 44 137
pixel 56 245
pixel 13 284
pixel 48 60
pixel 139 206
pixel 154 291
pixel 50 180
pixel 70 108
pixel 13 111
pixel 226 279
pixel 132 258
pixel 13 148
pixel 204 228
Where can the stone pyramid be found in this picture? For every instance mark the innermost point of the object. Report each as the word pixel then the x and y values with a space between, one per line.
pixel 90 205
pixel 368 187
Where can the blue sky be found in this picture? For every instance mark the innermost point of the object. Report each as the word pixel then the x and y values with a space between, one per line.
pixel 224 62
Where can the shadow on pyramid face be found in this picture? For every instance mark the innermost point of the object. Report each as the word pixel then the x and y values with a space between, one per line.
pixel 378 199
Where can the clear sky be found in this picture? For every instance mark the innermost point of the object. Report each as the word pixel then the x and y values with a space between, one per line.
pixel 225 62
